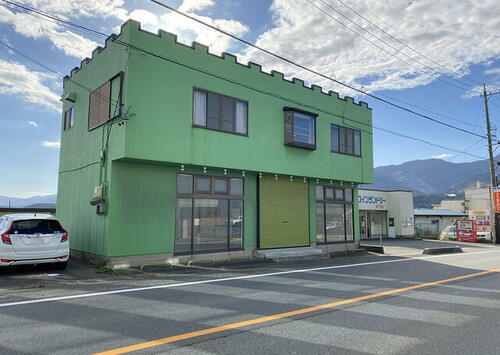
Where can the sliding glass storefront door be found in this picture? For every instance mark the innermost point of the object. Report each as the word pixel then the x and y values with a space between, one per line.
pixel 209 214
pixel 334 215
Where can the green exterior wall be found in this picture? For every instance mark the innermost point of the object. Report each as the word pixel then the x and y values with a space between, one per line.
pixel 144 155
pixel 142 207
pixel 160 94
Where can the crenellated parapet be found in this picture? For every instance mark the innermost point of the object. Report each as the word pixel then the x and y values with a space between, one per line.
pixel 200 49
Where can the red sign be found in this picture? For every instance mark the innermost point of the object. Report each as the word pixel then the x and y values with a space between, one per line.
pixel 496 199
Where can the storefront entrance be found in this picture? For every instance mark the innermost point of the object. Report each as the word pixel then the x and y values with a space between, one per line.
pixel 373 224
pixel 283 213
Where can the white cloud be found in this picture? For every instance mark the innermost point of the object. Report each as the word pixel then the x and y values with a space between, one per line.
pixel 188 30
pixel 78 46
pixel 33 123
pixel 195 5
pixel 145 17
pixel 78 8
pixel 17 79
pixel 442 156
pixel 48 144
pixel 37 27
pixel 478 90
pixel 493 71
pixel 454 34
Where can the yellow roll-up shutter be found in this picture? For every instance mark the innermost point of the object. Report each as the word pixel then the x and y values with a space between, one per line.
pixel 283 213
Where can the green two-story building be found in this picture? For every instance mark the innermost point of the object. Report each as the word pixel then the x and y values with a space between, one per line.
pixel 170 153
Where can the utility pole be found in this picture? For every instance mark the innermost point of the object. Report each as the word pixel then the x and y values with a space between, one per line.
pixel 493 179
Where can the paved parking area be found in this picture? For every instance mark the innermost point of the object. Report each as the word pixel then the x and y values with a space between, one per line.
pixel 371 304
pixel 41 281
pixel 407 247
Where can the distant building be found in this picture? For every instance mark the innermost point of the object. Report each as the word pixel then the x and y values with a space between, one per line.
pixel 475 205
pixel 451 205
pixel 385 213
pixel 34 210
pixel 431 222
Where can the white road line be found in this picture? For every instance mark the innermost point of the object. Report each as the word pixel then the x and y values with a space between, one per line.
pixel 190 283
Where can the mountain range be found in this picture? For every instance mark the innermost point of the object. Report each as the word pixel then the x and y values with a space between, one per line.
pixel 34 201
pixel 429 179
pixel 431 176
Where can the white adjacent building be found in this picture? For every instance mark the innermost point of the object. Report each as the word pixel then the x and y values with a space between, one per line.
pixel 385 213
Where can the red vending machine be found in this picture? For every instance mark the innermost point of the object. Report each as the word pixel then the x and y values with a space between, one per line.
pixel 466 230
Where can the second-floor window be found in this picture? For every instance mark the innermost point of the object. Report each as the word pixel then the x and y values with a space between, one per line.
pixel 346 140
pixel 99 105
pixel 68 119
pixel 219 112
pixel 300 128
pixel 105 102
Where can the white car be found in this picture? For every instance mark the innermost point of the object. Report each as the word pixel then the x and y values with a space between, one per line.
pixel 33 239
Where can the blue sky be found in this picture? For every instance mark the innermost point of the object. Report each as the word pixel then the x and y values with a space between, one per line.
pixel 460 37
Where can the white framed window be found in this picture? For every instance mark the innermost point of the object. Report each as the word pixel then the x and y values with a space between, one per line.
pixel 219 112
pixel 346 140
pixel 68 121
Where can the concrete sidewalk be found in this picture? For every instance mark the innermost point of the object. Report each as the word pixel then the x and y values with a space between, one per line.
pixel 407 247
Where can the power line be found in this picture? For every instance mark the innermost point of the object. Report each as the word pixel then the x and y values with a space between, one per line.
pixel 21 54
pixel 289 61
pixel 415 139
pixel 386 43
pixel 55 18
pixel 425 109
pixel 474 125
pixel 69 23
pixel 380 39
pixel 128 45
pixel 403 43
pixel 296 102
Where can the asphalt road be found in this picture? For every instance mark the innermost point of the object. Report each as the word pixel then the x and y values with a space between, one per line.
pixel 365 312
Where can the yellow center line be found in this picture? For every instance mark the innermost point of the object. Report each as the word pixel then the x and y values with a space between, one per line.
pixel 230 326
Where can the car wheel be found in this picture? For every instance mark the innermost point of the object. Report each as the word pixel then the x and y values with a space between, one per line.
pixel 61 266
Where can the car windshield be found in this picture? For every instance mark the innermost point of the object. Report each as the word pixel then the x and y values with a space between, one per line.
pixel 36 226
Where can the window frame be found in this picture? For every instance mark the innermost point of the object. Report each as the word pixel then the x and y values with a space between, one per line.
pixel 293 142
pixel 335 201
pixel 195 125
pixel 119 99
pixel 67 127
pixel 213 196
pixel 352 130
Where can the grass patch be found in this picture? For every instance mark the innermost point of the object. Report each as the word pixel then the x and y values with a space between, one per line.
pixel 104 269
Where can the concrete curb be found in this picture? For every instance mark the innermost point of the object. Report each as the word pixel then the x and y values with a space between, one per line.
pixel 373 248
pixel 442 250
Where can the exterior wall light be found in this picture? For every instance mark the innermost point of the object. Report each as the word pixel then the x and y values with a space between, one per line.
pixel 71 97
